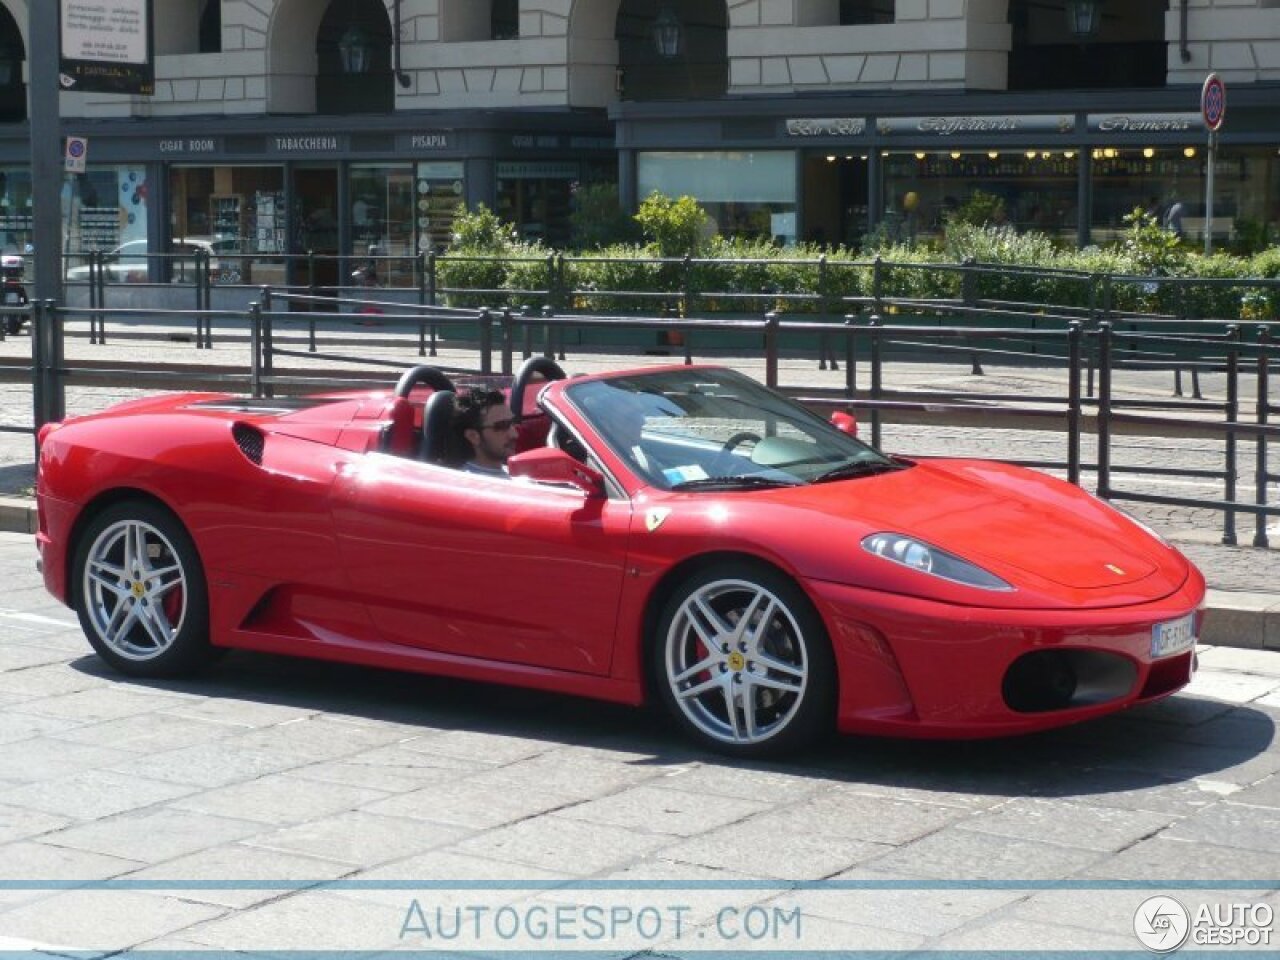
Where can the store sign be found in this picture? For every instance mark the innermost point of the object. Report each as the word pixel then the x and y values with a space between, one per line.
pixel 952 126
pixel 427 140
pixel 536 170
pixel 529 141
pixel 1143 122
pixel 826 127
pixel 189 145
pixel 106 46
pixel 308 144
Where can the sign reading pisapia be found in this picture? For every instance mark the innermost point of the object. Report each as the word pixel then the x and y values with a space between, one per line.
pixel 106 46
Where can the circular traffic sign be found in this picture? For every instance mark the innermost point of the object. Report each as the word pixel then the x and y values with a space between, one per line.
pixel 1213 101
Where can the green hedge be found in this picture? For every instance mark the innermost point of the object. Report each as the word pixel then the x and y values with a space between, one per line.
pixel 809 279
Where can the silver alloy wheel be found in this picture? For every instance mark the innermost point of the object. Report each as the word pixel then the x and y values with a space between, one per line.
pixel 736 662
pixel 135 590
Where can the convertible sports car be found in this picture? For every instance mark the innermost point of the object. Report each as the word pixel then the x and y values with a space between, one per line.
pixel 675 534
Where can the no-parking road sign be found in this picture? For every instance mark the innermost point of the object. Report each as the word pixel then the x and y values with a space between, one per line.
pixel 1213 102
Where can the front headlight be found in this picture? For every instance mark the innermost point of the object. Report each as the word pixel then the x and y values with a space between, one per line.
pixel 921 556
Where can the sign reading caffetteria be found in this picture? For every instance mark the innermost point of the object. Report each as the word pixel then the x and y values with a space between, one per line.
pixel 952 126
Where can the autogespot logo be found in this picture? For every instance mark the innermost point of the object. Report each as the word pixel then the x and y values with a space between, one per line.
pixel 1161 924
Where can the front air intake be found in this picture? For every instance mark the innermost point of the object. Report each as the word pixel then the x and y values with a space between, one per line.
pixel 250 441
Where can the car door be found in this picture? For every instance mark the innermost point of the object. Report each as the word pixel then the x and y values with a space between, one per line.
pixel 483 567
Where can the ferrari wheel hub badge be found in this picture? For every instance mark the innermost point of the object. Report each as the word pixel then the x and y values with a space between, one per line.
pixel 138 589
pixel 737 661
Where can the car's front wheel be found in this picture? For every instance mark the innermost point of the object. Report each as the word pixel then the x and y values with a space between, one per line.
pixel 743 663
pixel 140 591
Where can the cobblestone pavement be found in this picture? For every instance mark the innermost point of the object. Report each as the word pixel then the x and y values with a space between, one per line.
pixel 291 805
pixel 1198 532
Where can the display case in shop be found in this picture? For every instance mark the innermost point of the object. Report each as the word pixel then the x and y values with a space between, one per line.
pixel 226 216
pixel 268 228
pixel 439 192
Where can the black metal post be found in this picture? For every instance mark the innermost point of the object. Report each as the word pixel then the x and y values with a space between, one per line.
pixel 876 378
pixel 850 358
pixel 1074 412
pixel 1104 408
pixel 255 349
pixel 508 366
pixel 1233 415
pixel 486 341
pixel 771 349
pixel 432 278
pixel 313 290
pixel 1264 411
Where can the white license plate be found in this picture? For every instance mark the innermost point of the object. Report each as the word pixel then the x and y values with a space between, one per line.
pixel 1173 637
pixel 11 296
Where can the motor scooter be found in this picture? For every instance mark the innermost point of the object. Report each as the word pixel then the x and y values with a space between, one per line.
pixel 13 293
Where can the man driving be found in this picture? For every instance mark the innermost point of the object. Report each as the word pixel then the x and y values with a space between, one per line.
pixel 487 432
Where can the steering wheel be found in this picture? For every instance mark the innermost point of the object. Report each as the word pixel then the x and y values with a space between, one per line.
pixel 744 436
pixel 534 366
pixel 432 377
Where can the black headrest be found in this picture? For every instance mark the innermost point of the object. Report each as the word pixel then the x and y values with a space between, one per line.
pixel 437 426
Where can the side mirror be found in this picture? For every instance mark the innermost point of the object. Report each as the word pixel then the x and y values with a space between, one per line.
pixel 548 465
pixel 845 422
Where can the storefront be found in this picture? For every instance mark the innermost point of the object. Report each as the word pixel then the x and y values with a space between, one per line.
pixel 831 170
pixel 253 193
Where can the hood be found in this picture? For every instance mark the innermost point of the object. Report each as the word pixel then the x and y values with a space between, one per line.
pixel 1026 527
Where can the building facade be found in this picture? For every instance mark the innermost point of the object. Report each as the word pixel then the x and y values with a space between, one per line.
pixel 288 126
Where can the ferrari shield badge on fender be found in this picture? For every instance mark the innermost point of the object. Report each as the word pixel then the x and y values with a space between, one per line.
pixel 655 518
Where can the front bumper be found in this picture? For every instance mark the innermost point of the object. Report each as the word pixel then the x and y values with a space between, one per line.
pixel 914 667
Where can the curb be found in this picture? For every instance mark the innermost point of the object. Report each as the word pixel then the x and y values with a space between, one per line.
pixel 1233 618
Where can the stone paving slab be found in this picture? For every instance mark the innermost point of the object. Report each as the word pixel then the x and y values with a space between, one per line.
pixel 268 781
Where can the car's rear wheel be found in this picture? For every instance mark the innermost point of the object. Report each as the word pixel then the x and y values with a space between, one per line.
pixel 743 663
pixel 140 591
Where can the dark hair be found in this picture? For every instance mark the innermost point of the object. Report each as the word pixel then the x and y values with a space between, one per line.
pixel 469 409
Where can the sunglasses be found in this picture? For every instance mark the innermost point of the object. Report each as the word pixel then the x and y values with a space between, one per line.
pixel 501 425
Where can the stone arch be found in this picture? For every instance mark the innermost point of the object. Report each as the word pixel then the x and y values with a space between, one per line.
pixel 14 36
pixel 596 19
pixel 292 63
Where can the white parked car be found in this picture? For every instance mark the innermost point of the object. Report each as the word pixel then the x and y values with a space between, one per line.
pixel 130 262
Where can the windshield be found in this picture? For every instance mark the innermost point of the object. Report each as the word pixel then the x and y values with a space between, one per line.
pixel 717 429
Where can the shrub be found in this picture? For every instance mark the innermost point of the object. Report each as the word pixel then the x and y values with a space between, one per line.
pixel 597 219
pixel 676 228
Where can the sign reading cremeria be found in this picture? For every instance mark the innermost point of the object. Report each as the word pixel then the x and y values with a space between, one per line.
pixel 950 126
pixel 1143 122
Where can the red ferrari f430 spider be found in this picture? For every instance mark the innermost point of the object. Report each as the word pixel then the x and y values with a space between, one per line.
pixel 680 535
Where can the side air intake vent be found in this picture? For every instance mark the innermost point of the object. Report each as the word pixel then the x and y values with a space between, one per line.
pixel 249 440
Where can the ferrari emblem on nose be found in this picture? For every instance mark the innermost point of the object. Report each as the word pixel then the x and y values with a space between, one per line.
pixel 655 518
pixel 1116 570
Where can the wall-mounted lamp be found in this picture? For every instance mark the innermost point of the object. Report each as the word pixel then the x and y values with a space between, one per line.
pixel 1083 18
pixel 355 50
pixel 668 35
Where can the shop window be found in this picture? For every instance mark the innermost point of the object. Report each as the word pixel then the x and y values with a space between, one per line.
pixel 672 51
pixel 236 213
pixel 1031 190
pixel 747 194
pixel 15 209
pixel 382 223
pixel 858 12
pixel 211 27
pixel 353 58
pixel 1128 50
pixel 504 20
pixel 537 197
